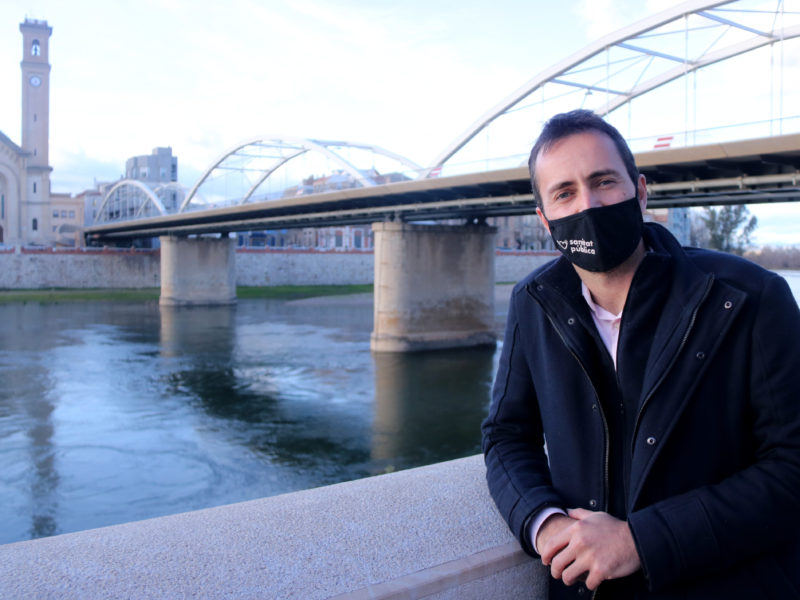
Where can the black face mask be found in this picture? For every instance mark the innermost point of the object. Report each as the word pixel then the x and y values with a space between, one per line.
pixel 601 238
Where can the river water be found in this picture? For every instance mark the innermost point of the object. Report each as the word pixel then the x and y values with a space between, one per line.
pixel 113 412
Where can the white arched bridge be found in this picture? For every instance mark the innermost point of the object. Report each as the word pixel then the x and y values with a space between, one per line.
pixel 646 79
pixel 701 91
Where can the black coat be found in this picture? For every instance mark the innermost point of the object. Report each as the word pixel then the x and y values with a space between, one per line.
pixel 695 441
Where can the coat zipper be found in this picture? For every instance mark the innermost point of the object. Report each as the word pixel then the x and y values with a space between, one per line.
pixel 606 435
pixel 674 358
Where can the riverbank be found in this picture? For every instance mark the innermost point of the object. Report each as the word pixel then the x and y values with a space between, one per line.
pixel 279 292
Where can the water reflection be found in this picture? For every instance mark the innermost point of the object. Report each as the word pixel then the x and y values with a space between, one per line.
pixel 201 330
pixel 415 398
pixel 112 412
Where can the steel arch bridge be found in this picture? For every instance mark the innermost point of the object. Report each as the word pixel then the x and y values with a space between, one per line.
pixel 662 52
pixel 134 199
pixel 241 174
pixel 653 53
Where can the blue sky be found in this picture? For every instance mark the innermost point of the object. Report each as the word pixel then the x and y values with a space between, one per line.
pixel 407 75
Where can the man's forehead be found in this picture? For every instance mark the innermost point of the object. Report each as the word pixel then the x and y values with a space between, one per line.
pixel 597 140
pixel 592 149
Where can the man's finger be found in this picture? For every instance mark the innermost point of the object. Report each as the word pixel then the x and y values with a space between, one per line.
pixel 579 513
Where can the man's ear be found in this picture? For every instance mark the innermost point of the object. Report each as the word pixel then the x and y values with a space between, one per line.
pixel 641 192
pixel 542 219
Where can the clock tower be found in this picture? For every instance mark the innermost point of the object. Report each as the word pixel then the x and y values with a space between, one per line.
pixel 35 67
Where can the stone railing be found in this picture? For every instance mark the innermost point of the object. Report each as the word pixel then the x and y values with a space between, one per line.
pixel 431 532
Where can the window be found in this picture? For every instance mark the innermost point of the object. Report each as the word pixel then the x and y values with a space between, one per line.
pixel 34 187
pixel 35 224
pixel 36 49
pixel 72 214
pixel 55 214
pixel 63 214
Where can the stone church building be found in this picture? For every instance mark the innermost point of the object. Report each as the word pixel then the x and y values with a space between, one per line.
pixel 30 214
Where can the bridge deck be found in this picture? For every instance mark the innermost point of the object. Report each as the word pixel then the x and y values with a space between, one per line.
pixel 742 172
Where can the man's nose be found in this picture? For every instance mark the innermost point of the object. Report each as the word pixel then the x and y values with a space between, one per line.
pixel 587 199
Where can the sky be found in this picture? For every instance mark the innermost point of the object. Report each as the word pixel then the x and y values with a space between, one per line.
pixel 200 76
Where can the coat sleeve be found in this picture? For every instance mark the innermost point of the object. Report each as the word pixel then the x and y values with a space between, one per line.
pixel 517 471
pixel 753 512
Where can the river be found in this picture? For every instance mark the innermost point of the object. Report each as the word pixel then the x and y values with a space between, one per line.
pixel 113 412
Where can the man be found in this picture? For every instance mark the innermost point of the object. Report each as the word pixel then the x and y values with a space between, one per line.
pixel 644 433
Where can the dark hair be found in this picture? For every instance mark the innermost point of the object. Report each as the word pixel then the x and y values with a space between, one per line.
pixel 570 123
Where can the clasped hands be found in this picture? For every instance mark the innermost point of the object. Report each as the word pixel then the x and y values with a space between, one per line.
pixel 587 545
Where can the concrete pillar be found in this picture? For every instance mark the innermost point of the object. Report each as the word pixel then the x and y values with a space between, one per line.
pixel 197 271
pixel 434 287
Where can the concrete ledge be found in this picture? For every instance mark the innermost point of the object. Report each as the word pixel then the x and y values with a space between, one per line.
pixel 446 577
pixel 430 532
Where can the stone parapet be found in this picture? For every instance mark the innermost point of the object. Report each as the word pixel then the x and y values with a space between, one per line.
pixel 431 532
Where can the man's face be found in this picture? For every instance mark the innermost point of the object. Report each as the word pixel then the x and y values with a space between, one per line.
pixel 583 171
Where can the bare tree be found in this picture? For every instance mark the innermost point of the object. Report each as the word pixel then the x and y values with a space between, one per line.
pixel 728 228
pixel 776 257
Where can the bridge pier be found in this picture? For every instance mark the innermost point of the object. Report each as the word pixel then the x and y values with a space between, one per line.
pixel 434 287
pixel 197 271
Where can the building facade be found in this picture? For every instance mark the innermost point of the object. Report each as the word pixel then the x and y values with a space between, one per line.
pixel 27 213
pixel 155 168
pixel 24 169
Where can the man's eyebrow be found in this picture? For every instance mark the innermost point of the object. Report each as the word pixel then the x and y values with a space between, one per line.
pixel 604 172
pixel 593 175
pixel 559 186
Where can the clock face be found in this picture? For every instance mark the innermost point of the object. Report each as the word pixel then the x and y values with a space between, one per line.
pixel 35 81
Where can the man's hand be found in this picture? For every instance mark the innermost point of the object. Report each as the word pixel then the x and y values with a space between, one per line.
pixel 587 544
pixel 552 525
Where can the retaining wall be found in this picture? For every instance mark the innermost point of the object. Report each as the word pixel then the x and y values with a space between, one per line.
pixel 431 532
pixel 24 268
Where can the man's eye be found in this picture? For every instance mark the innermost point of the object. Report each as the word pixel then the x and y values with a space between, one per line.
pixel 562 195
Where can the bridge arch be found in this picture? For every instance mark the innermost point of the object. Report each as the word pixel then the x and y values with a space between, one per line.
pixel 629 63
pixel 262 156
pixel 127 199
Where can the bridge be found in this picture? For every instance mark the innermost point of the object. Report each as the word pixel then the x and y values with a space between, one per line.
pixel 265 182
pixel 746 172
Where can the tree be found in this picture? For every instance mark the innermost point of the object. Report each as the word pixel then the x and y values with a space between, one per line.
pixel 728 228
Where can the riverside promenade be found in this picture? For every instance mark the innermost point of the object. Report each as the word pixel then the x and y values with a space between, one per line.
pixel 430 532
